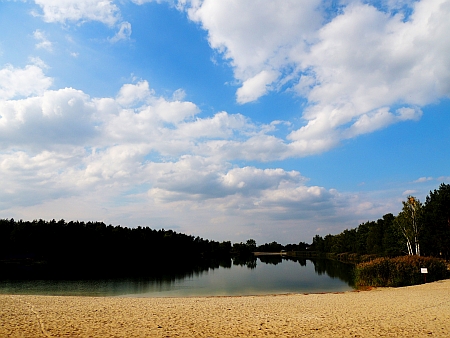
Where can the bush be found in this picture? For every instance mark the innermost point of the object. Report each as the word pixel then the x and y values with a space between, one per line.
pixel 399 271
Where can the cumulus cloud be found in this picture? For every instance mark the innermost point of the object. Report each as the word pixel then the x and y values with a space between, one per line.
pixel 130 94
pixel 79 12
pixel 62 11
pixel 23 82
pixel 361 67
pixel 261 195
pixel 56 117
pixel 366 61
pixel 379 119
pixel 140 2
pixel 24 177
pixel 354 66
pixel 60 144
pixel 205 178
pixel 255 36
pixel 256 86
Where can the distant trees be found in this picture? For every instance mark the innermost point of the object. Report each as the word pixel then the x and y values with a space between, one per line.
pixel 93 248
pixel 271 247
pixel 251 246
pixel 377 238
pixel 419 229
pixel 301 246
pixel 244 249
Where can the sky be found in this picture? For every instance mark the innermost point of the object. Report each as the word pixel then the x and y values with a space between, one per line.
pixel 268 119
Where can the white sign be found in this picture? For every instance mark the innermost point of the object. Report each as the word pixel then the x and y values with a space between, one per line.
pixel 423 270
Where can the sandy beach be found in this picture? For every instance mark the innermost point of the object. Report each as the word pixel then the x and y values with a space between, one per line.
pixel 416 311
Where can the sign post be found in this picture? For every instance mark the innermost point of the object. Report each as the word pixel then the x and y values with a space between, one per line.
pixel 424 271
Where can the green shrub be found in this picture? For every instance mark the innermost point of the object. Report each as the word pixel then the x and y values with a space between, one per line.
pixel 399 271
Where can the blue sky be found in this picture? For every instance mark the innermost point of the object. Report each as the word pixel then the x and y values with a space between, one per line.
pixel 273 120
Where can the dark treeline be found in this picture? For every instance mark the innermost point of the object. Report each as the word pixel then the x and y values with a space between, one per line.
pixel 93 249
pixel 379 237
pixel 242 253
pixel 386 238
pixel 245 249
pixel 60 249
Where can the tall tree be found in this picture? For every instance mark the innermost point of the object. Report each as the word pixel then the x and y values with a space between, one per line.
pixel 436 223
pixel 251 244
pixel 392 237
pixel 318 243
pixel 409 223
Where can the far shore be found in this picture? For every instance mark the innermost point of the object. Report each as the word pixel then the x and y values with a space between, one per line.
pixel 282 253
pixel 414 311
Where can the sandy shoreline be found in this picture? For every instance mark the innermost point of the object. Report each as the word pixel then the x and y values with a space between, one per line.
pixel 416 311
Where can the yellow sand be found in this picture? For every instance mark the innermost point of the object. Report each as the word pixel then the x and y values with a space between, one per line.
pixel 417 311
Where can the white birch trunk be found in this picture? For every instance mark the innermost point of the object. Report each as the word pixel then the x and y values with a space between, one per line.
pixel 409 246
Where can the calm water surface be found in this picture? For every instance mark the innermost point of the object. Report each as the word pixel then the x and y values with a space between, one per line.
pixel 288 276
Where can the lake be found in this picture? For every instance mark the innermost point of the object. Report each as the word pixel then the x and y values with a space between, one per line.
pixel 265 275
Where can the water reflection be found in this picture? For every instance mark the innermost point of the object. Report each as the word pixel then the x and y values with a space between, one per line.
pixel 252 275
pixel 271 259
pixel 248 261
pixel 334 269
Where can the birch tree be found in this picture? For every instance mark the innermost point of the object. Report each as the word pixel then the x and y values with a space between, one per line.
pixel 408 221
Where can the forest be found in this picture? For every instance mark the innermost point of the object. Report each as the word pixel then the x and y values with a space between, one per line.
pixel 419 229
pixel 77 249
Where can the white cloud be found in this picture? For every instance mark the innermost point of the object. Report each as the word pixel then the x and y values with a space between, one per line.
pixel 22 82
pixel 63 146
pixel 174 111
pixel 360 70
pixel 54 118
pixel 43 42
pixel 38 62
pixel 256 86
pixel 141 2
pixel 257 36
pixel 163 162
pixel 179 95
pixel 273 194
pixel 131 94
pixel 200 178
pixel 353 66
pixel 379 119
pixel 366 61
pixel 124 32
pixel 221 125
pixel 423 179
pixel 409 114
pixel 409 192
pixel 104 11
pixel 79 12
